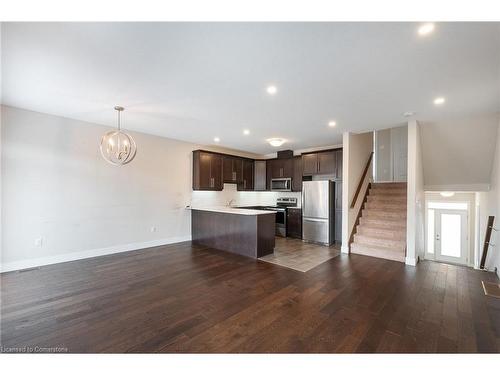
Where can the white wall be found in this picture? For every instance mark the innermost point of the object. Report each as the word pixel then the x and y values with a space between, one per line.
pixel 391 154
pixel 356 151
pixel 56 186
pixel 489 205
pixel 415 204
pixel 458 153
pixel 382 157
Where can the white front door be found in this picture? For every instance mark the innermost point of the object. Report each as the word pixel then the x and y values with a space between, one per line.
pixel 451 236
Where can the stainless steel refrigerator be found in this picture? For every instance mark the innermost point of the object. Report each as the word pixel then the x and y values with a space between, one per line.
pixel 318 211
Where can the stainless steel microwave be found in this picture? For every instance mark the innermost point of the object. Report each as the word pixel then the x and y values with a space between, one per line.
pixel 281 184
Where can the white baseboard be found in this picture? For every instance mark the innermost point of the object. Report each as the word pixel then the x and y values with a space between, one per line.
pixel 411 261
pixel 37 262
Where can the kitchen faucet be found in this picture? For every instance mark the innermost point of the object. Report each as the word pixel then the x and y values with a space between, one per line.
pixel 229 204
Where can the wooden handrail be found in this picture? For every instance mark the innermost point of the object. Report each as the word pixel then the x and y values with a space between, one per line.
pixel 358 189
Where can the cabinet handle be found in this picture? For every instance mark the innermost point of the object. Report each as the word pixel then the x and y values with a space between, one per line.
pixel 234 176
pixel 244 184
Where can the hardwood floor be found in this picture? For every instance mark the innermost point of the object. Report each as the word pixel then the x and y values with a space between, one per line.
pixel 184 298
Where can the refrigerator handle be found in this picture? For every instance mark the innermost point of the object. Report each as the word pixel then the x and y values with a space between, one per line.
pixel 315 220
pixel 303 198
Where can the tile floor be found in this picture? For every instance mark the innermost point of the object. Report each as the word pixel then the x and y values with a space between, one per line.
pixel 300 256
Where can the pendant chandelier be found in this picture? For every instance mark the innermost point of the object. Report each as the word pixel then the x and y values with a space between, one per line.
pixel 118 147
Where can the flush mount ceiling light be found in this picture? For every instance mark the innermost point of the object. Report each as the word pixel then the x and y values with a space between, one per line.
pixel 447 194
pixel 426 29
pixel 276 142
pixel 246 131
pixel 332 124
pixel 216 139
pixel 439 101
pixel 272 90
pixel 409 114
pixel 118 147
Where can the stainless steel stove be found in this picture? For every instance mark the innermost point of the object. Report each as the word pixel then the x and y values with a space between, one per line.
pixel 280 208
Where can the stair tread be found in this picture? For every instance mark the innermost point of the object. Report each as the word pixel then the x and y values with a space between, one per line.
pixel 378 252
pixel 380 223
pixel 379 241
pixel 384 213
pixel 388 198
pixel 372 227
pixel 386 205
pixel 388 233
pixel 378 247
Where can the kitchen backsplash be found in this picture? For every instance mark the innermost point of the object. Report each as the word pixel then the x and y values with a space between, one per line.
pixel 240 198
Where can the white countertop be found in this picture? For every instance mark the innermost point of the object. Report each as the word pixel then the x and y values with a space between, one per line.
pixel 233 210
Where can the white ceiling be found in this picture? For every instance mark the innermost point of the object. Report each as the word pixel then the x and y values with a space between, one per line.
pixel 194 81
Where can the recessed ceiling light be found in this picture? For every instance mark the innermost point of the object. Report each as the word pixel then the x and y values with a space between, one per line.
pixel 272 90
pixel 425 29
pixel 440 100
pixel 332 124
pixel 246 131
pixel 447 194
pixel 276 142
pixel 216 139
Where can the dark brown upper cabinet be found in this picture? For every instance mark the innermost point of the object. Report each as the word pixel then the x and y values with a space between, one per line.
pixel 281 168
pixel 326 162
pixel 207 171
pixel 233 169
pixel 323 162
pixel 247 182
pixel 339 164
pixel 309 164
pixel 297 174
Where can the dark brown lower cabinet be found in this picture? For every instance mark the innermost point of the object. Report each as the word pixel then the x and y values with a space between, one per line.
pixel 294 223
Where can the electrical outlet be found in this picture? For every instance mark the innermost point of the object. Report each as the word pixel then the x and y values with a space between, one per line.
pixel 153 229
pixel 39 242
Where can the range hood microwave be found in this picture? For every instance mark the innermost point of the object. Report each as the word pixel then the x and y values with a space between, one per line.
pixel 281 184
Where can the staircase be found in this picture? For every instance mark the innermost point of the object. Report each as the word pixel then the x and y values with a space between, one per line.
pixel 381 231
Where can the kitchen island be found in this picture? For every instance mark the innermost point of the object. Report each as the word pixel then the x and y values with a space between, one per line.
pixel 240 231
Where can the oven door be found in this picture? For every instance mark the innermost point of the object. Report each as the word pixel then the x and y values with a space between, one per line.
pixel 280 220
pixel 281 184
